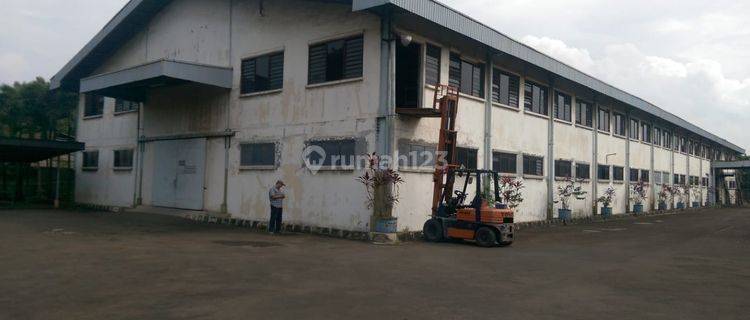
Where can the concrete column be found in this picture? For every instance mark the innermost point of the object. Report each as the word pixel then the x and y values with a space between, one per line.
pixel 652 203
pixel 489 65
pixel 626 174
pixel 551 150
pixel 688 203
pixel 595 155
pixel 387 113
pixel 671 163
pixel 57 183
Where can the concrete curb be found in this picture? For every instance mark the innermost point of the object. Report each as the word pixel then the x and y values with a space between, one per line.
pixel 599 218
pixel 296 228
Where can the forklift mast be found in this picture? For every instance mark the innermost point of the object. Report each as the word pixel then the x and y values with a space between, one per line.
pixel 446 100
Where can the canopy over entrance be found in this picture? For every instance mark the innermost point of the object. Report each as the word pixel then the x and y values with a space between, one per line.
pixel 28 151
pixel 134 83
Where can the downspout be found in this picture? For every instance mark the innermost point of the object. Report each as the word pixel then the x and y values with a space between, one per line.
pixel 652 203
pixel 627 162
pixel 551 150
pixel 386 113
pixel 138 176
pixel 141 152
pixel 489 66
pixel 228 139
pixel 595 155
pixel 671 165
pixel 688 204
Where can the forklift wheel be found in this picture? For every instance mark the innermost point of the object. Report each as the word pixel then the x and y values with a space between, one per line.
pixel 486 237
pixel 433 230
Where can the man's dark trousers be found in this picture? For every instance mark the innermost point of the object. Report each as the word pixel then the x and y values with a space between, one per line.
pixel 275 224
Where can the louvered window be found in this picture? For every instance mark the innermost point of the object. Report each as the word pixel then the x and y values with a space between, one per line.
pixel 505 88
pixel 619 123
pixel 94 105
pixel 533 165
pixel 535 98
pixel 336 60
pixel 584 113
pixel 563 105
pixel 432 65
pixel 263 73
pixel 466 76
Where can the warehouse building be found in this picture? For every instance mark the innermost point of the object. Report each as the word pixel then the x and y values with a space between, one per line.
pixel 203 105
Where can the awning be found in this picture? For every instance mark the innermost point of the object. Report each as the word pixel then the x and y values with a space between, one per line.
pixel 134 83
pixel 744 164
pixel 27 150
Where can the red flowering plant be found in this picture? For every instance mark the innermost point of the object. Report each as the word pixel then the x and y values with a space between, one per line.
pixel 638 192
pixel 511 191
pixel 381 184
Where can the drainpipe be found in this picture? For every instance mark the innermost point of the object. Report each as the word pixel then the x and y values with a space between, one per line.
pixel 595 155
pixel 488 112
pixel 688 204
pixel 386 113
pixel 651 172
pixel 551 150
pixel 671 165
pixel 227 139
pixel 627 162
pixel 141 151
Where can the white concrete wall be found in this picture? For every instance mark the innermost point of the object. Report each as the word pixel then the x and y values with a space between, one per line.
pixel 200 31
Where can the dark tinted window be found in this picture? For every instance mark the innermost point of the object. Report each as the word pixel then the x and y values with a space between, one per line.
pixel 432 65
pixel 262 73
pixel 563 169
pixel 125 105
pixel 563 105
pixel 505 88
pixel 618 120
pixel 618 173
pixel 90 159
pixel 584 113
pixel 93 105
pixel 336 60
pixel 467 157
pixel 633 175
pixel 603 120
pixel 504 162
pixel 583 171
pixel 123 158
pixel 533 165
pixel 467 76
pixel 633 130
pixel 645 175
pixel 337 152
pixel 603 172
pixel 258 154
pixel 535 98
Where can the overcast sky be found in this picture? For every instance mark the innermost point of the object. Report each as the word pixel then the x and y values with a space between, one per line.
pixel 690 57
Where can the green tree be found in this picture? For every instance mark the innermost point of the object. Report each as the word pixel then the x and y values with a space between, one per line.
pixel 31 110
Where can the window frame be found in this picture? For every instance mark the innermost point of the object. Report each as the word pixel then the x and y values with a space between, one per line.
pixel 115 158
pixel 526 97
pixel 609 171
pixel 269 56
pixel 462 60
pixel 561 163
pixel 469 152
pixel 314 82
pixel 498 169
pixel 567 103
pixel 579 113
pixel 244 167
pixel 123 102
pixel 510 75
pixel 607 122
pixel 427 56
pixel 622 124
pixel 634 134
pixel 524 167
pixel 88 104
pixel 340 166
pixel 622 173
pixel 85 167
pixel 419 162
pixel 577 170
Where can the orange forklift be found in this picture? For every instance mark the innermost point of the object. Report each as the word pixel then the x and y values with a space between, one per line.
pixel 483 219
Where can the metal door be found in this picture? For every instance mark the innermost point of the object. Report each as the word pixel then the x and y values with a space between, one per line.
pixel 179 173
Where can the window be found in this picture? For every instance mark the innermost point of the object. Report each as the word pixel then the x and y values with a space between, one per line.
pixel 563 104
pixel 123 159
pixel 665 177
pixel 633 130
pixel 125 106
pixel 682 179
pixel 504 162
pixel 535 98
pixel 645 176
pixel 733 185
pixel 694 180
pixel 584 113
pixel 93 105
pixel 657 136
pixel 583 171
pixel 505 88
pixel 563 169
pixel 634 175
pixel 432 65
pixel 683 145
pixel 337 153
pixel 533 165
pixel 90 160
pixel 417 155
pixel 676 179
pixel 603 172
pixel 657 178
pixel 646 132
pixel 263 73
pixel 603 120
pixel 466 76
pixel 258 154
pixel 619 123
pixel 618 173
pixel 667 140
pixel 467 157
pixel 336 60
pixel 704 182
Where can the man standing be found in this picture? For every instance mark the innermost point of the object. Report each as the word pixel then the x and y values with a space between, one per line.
pixel 276 195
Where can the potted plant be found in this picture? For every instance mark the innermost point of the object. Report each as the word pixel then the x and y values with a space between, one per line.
pixel 695 194
pixel 510 192
pixel 569 189
pixel 664 195
pixel 638 192
pixel 679 192
pixel 607 198
pixel 382 185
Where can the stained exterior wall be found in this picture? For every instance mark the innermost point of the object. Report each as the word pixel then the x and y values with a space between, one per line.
pixel 213 32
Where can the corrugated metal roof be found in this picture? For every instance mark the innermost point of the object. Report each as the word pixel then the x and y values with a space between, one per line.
pixel 456 21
